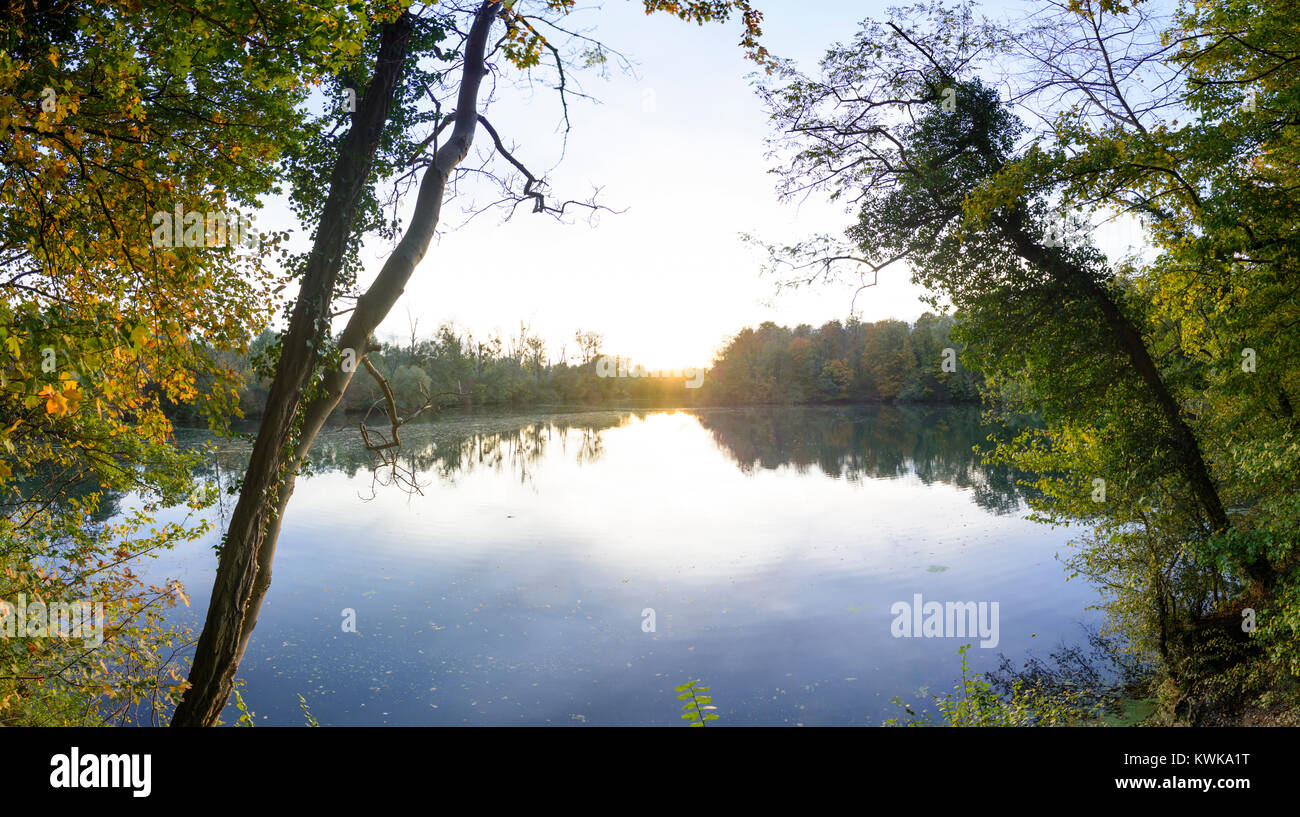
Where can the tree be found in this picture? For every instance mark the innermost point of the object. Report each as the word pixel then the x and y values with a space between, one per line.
pixel 1185 122
pixel 888 358
pixel 589 345
pixel 929 196
pixel 312 373
pixel 112 306
pixel 1142 370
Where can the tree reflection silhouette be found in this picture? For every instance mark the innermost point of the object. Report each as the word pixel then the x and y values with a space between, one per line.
pixel 934 444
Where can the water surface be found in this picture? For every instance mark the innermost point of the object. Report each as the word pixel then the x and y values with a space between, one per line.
pixel 513 586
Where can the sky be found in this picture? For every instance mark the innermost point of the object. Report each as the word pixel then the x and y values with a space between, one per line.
pixel 679 148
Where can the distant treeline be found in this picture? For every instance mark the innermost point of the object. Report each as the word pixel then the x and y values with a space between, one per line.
pixel 885 361
pixel 839 362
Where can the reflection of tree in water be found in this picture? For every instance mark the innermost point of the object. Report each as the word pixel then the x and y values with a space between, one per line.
pixel 45 486
pixel 588 444
pixel 446 450
pixel 936 444
pixel 517 448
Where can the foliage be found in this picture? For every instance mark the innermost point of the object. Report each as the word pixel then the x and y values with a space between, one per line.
pixel 245 717
pixel 697 708
pixel 837 362
pixel 113 115
pixel 854 361
pixel 975 702
pixel 1141 368
pixel 306 711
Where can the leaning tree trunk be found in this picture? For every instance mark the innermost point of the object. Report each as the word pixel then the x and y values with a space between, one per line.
pixel 1130 341
pixel 289 426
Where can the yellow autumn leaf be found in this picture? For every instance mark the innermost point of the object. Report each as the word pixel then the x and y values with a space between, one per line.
pixel 55 402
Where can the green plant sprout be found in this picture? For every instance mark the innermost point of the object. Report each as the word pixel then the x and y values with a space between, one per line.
pixel 696 707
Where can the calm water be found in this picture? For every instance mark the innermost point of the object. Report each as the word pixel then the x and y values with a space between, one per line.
pixel 770 544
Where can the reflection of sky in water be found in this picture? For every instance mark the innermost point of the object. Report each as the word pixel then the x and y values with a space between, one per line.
pixel 513 594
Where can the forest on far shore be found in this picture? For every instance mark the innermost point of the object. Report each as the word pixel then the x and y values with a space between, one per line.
pixel 839 362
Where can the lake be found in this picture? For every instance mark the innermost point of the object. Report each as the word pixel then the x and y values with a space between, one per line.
pixel 572 568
